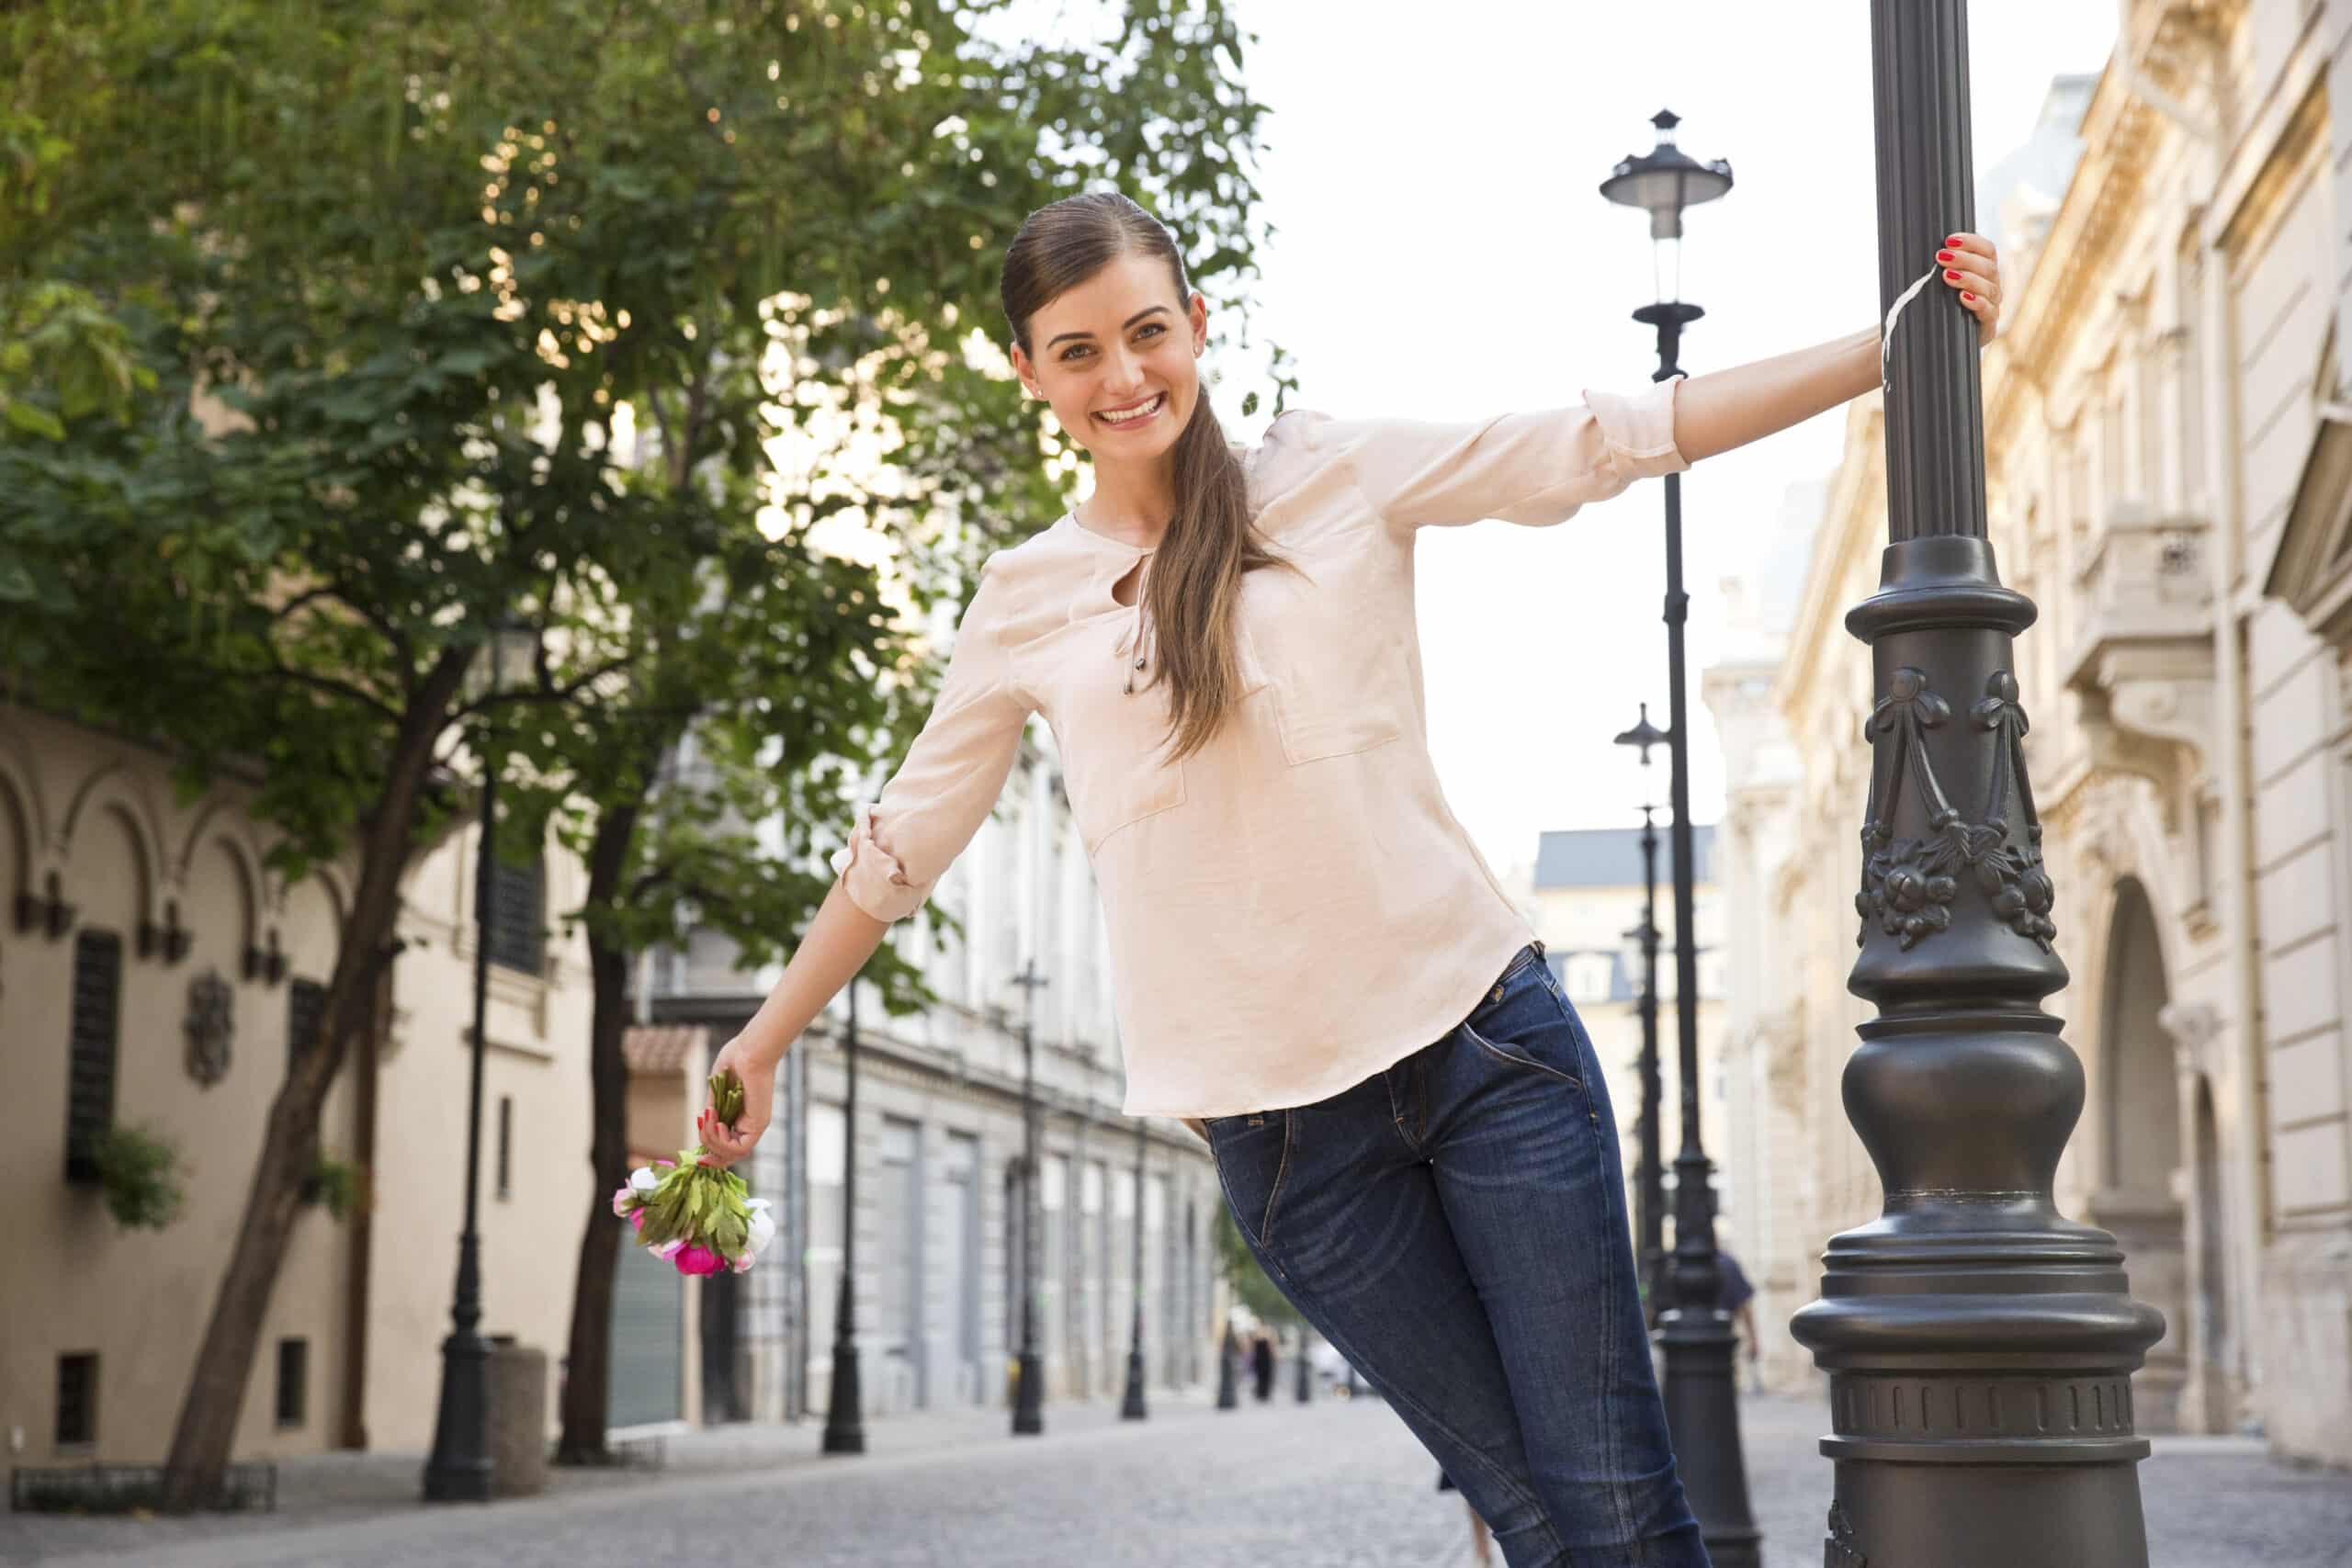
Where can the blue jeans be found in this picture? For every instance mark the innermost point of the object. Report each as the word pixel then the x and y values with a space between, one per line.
pixel 1455 1226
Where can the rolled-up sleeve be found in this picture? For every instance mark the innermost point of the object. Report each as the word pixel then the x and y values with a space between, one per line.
pixel 952 774
pixel 1534 468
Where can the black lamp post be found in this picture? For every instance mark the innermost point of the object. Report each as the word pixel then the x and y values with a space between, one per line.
pixel 1979 1345
pixel 1701 1399
pixel 460 1470
pixel 1028 1397
pixel 1650 1194
pixel 845 1410
pixel 1132 1407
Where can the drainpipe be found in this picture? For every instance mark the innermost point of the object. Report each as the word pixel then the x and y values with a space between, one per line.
pixel 2231 764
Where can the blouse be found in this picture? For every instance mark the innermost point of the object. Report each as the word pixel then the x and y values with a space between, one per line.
pixel 1294 907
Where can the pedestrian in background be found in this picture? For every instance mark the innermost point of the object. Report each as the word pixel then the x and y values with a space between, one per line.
pixel 1313 966
pixel 1261 1366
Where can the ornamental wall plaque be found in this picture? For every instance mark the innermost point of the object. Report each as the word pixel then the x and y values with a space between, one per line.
pixel 210 1025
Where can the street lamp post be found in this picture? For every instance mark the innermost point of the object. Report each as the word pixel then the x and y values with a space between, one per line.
pixel 1028 1398
pixel 1229 1370
pixel 1702 1401
pixel 1132 1407
pixel 1650 1195
pixel 845 1410
pixel 1979 1345
pixel 460 1469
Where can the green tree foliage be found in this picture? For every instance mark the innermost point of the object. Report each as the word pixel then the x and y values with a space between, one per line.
pixel 338 330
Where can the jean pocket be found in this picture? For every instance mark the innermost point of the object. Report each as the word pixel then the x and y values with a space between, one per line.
pixel 1252 1154
pixel 1526 1022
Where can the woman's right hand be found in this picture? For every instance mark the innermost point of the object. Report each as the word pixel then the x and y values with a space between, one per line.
pixel 722 1144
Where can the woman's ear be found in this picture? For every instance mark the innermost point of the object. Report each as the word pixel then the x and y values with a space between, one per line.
pixel 1027 372
pixel 1197 316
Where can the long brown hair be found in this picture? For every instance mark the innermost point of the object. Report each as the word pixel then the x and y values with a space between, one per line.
pixel 1193 589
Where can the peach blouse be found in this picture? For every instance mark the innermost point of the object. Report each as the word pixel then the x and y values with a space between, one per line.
pixel 1294 907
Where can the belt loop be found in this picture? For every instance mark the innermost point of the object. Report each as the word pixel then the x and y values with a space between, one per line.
pixel 1539 947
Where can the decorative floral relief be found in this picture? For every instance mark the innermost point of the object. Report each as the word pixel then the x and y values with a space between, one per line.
pixel 1908 883
pixel 1838 1549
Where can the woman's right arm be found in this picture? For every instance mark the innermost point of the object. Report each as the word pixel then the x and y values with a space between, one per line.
pixel 925 815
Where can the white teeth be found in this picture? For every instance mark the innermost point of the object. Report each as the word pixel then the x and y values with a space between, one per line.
pixel 1146 411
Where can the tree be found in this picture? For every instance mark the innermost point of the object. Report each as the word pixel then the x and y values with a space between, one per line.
pixel 340 381
pixel 1242 1272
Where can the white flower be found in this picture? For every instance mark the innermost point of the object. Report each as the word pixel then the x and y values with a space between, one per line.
pixel 643 1180
pixel 762 1225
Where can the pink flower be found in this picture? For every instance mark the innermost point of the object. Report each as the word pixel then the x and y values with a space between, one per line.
pixel 621 1200
pixel 667 1164
pixel 668 1249
pixel 638 1219
pixel 742 1264
pixel 698 1260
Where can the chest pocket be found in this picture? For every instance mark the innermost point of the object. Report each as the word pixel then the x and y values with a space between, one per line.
pixel 1327 645
pixel 1112 742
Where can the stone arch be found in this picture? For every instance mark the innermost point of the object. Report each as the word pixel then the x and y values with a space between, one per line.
pixel 2137 1101
pixel 112 792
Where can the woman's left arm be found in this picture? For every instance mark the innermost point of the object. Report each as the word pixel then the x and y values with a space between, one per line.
pixel 1725 409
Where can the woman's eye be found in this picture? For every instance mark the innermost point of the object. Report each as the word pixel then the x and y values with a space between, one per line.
pixel 1071 353
pixel 1150 330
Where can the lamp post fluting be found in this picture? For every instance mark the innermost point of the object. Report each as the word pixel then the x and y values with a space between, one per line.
pixel 1131 1408
pixel 1650 1180
pixel 845 1408
pixel 460 1469
pixel 1979 1345
pixel 1701 1398
pixel 1029 1394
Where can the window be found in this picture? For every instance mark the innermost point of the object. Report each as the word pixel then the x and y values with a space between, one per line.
pixel 77 1399
pixel 97 1016
pixel 1588 976
pixel 518 906
pixel 306 1006
pixel 293 1382
pixel 505 1146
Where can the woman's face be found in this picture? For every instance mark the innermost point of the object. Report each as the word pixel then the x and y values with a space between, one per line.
pixel 1118 358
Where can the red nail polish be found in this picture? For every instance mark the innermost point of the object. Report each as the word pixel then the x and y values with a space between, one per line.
pixel 1951 239
pixel 1946 256
pixel 1950 277
pixel 1967 296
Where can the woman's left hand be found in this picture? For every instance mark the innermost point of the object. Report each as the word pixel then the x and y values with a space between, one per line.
pixel 1970 267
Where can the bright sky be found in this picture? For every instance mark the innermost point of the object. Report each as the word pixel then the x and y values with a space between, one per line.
pixel 1444 252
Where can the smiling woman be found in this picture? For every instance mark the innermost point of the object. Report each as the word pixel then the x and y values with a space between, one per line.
pixel 1312 964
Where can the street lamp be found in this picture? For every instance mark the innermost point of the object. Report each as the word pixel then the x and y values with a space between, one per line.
pixel 1650 1198
pixel 460 1469
pixel 845 1409
pixel 1979 1344
pixel 1028 1397
pixel 1132 1407
pixel 1701 1400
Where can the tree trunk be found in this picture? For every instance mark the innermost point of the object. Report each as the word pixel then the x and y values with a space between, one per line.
pixel 207 1429
pixel 588 1365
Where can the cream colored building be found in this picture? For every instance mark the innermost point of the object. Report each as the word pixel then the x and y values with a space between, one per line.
pixel 123 907
pixel 2167 471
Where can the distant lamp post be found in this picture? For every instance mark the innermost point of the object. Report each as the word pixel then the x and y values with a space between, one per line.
pixel 1029 1394
pixel 1701 1398
pixel 459 1468
pixel 845 1410
pixel 1650 1193
pixel 1132 1407
pixel 1229 1370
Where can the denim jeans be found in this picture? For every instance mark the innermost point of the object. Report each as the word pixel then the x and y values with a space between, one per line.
pixel 1455 1226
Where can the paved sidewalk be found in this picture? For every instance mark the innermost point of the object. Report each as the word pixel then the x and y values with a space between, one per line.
pixel 1332 1486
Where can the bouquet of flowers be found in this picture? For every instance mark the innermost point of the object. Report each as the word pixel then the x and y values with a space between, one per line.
pixel 696 1216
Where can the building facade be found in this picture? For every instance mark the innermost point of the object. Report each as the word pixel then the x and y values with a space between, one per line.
pixel 939 1152
pixel 156 975
pixel 2167 480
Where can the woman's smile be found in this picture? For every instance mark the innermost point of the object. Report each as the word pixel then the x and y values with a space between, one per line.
pixel 1129 415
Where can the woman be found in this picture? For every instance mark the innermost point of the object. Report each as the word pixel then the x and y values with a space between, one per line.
pixel 1312 966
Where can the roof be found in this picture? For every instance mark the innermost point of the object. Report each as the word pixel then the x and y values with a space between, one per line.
pixel 662 1047
pixel 1612 857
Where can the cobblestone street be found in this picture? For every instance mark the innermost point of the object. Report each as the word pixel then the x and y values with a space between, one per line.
pixel 1334 1485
